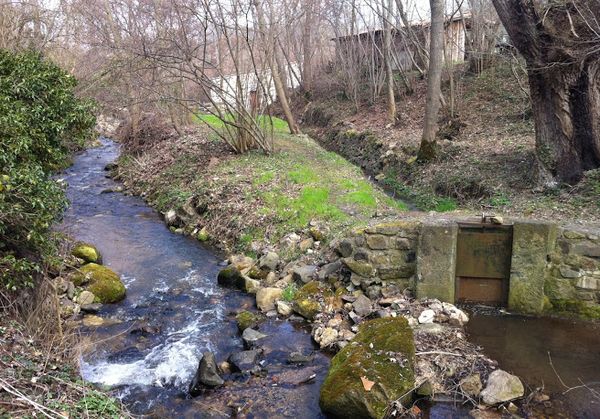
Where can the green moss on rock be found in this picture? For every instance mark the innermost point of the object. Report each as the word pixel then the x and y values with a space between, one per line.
pixel 104 283
pixel 87 252
pixel 573 307
pixel 231 277
pixel 307 308
pixel 307 300
pixel 246 319
pixel 369 354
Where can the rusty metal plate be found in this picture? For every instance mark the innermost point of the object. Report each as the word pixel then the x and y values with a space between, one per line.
pixel 482 290
pixel 484 251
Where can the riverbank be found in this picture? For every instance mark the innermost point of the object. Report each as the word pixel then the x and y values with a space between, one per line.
pixel 246 203
pixel 492 129
pixel 40 346
pixel 296 263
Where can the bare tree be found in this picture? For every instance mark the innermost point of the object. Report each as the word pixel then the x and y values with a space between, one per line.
pixel 387 57
pixel 274 61
pixel 560 42
pixel 428 148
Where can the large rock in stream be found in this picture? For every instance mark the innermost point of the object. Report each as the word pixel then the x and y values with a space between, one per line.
pixel 375 369
pixel 104 283
pixel 207 375
pixel 502 387
pixel 87 252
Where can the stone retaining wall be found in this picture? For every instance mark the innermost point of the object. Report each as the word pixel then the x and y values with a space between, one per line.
pixel 554 269
pixel 573 275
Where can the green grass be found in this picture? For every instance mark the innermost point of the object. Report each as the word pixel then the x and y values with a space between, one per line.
pixel 423 200
pixel 277 124
pixel 289 292
pixel 272 195
pixel 303 175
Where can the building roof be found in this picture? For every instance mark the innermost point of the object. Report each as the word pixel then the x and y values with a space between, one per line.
pixel 398 31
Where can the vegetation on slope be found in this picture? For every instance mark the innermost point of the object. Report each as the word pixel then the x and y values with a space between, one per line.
pixel 255 196
pixel 41 121
pixel 487 149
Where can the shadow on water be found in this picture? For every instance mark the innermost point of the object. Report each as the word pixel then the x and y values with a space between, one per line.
pixel 150 344
pixel 525 345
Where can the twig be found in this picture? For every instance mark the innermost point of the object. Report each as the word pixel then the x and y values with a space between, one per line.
pixel 42 409
pixel 438 353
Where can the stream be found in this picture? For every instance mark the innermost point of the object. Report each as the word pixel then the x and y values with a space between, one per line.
pixel 149 344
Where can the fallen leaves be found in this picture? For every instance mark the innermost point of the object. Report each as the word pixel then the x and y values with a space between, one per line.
pixel 367 384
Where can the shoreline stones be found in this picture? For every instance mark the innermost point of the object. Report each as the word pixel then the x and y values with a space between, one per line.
pixel 266 298
pixel 87 252
pixel 207 375
pixel 104 283
pixel 502 387
pixel 251 337
pixel 244 361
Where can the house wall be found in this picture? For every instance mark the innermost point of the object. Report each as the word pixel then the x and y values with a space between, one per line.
pixel 227 90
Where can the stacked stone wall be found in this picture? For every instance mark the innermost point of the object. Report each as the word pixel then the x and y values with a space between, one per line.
pixel 554 269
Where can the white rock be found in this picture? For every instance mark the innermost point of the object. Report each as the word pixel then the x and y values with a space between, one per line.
pixel 86 297
pixel 170 217
pixel 426 316
pixel 334 323
pixel 412 322
pixel 325 336
pixel 502 387
pixel 458 317
pixel 284 308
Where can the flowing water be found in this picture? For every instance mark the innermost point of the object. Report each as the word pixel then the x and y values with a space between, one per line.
pixel 149 346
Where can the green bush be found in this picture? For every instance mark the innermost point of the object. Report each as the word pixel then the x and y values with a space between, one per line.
pixel 41 123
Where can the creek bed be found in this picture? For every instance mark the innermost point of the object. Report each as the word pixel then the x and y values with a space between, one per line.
pixel 149 345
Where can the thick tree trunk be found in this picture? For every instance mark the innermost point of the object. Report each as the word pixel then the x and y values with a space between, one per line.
pixel 564 81
pixel 566 109
pixel 427 150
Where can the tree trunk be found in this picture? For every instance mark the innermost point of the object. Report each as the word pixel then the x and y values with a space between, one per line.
pixel 566 109
pixel 387 54
pixel 274 65
pixel 428 148
pixel 307 47
pixel 564 80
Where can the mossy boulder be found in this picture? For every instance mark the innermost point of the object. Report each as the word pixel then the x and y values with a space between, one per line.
pixel 307 300
pixel 230 276
pixel 203 235
pixel 246 319
pixel 307 308
pixel 104 283
pixel 87 252
pixel 382 352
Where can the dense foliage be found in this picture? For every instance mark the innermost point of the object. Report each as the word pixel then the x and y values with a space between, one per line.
pixel 41 122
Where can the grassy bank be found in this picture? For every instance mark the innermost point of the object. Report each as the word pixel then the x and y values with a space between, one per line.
pixel 486 151
pixel 38 379
pixel 254 197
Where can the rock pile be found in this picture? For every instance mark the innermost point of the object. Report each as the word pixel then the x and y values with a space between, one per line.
pixel 88 285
